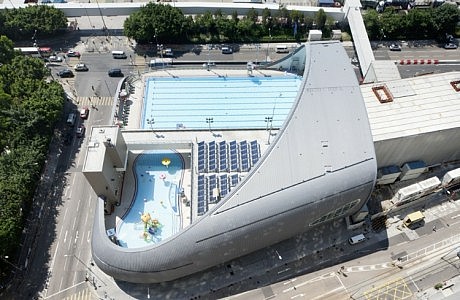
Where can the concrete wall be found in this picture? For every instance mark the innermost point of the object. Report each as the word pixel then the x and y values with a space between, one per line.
pixel 432 148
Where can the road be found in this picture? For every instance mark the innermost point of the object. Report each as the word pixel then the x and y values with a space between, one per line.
pixel 63 241
pixel 378 273
pixel 71 250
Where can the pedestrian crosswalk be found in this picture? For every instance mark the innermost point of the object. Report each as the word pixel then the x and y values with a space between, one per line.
pixel 94 101
pixel 82 295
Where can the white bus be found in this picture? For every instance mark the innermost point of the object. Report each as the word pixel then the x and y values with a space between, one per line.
pixel 30 51
pixel 160 62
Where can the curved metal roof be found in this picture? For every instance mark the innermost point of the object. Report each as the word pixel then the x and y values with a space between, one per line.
pixel 320 163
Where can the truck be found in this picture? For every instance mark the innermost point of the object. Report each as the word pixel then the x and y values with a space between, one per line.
pixel 413 219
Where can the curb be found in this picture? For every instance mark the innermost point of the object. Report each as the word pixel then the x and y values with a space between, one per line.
pixel 419 61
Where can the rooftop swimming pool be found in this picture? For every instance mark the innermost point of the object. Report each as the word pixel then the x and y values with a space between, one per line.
pixel 154 213
pixel 218 102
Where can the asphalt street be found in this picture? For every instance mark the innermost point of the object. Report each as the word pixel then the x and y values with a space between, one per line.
pixel 55 258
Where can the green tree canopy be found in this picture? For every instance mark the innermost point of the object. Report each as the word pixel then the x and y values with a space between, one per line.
pixel 37 20
pixel 29 110
pixel 6 50
pixel 156 23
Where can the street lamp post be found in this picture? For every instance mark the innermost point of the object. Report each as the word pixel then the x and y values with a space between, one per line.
pixel 209 121
pixel 268 46
pixel 151 121
pixel 269 121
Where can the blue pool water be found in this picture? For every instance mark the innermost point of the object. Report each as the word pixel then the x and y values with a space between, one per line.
pixel 156 193
pixel 222 102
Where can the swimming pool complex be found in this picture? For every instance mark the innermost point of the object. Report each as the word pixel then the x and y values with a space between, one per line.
pixel 154 213
pixel 218 102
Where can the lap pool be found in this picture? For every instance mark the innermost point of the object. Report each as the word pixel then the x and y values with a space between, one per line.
pixel 155 212
pixel 218 102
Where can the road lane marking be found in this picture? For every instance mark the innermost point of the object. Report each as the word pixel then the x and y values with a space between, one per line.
pixel 78 205
pixel 65 236
pixel 65 213
pixel 74 221
pixel 89 236
pixel 76 238
pixel 322 296
pixel 66 289
pixel 54 257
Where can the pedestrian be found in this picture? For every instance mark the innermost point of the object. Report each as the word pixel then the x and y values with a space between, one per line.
pixel 92 87
pixel 434 227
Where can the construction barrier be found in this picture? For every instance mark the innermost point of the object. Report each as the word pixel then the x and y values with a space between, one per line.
pixel 419 61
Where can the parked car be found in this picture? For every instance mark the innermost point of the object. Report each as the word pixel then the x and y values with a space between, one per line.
pixel 168 52
pixel 227 50
pixel 84 112
pixel 54 58
pixel 450 46
pixel 395 47
pixel 81 67
pixel 116 72
pixel 72 53
pixel 80 130
pixel 66 73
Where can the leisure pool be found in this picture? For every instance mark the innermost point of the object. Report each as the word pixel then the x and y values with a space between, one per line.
pixel 155 211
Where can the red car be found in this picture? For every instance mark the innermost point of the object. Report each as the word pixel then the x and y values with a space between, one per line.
pixel 72 53
pixel 84 113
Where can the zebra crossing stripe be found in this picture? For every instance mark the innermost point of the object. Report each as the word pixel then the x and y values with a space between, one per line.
pixel 86 101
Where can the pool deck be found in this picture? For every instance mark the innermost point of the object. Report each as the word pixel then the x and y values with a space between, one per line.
pixel 163 138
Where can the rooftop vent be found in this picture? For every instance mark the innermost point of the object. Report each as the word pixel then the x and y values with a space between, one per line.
pixel 101 130
pixel 382 93
pixel 456 85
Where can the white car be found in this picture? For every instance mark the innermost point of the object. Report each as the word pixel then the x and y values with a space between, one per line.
pixel 81 67
pixel 395 47
pixel 55 58
pixel 450 46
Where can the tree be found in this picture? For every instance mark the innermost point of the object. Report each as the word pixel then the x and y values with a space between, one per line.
pixel 445 19
pixel 6 50
pixel 373 27
pixel 156 23
pixel 320 18
pixel 29 109
pixel 23 23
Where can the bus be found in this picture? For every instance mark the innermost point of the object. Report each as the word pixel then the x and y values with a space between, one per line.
pixel 39 52
pixel 30 51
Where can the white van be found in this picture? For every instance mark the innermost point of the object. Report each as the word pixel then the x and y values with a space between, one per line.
pixel 119 54
pixel 357 239
pixel 71 119
pixel 282 49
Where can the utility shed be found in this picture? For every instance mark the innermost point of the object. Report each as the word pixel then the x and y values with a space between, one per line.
pixel 388 174
pixel 429 185
pixel 415 118
pixel 451 178
pixel 412 170
pixel 407 194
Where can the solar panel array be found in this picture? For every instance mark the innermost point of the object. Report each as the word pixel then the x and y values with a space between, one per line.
pixel 229 158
